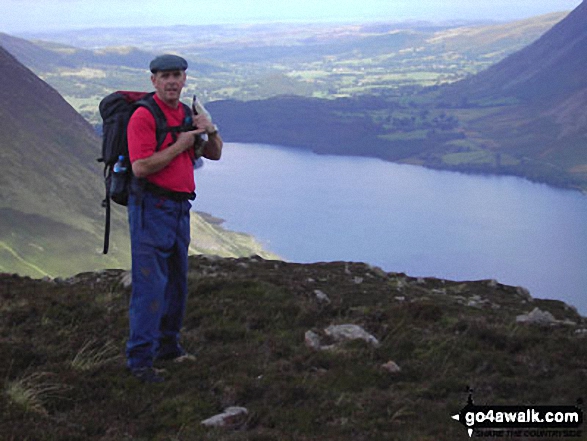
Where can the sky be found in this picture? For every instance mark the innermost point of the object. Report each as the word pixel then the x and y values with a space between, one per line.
pixel 41 15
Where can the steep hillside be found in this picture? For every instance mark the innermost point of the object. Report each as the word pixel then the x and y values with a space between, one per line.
pixel 50 182
pixel 325 352
pixel 550 68
pixel 51 186
pixel 547 125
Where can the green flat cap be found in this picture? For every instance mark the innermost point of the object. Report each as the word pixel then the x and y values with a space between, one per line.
pixel 168 62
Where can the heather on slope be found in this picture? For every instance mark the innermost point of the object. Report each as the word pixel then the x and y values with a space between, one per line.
pixel 63 371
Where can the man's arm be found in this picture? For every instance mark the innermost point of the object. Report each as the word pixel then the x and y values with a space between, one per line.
pixel 213 147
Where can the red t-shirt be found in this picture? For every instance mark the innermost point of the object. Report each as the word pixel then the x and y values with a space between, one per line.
pixel 178 175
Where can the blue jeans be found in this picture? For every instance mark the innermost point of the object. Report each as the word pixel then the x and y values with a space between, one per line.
pixel 160 236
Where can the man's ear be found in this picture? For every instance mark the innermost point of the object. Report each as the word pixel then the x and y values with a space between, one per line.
pixel 153 79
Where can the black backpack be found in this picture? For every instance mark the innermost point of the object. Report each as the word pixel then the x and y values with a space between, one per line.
pixel 116 110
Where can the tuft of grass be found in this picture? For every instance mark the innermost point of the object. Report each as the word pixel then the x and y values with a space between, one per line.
pixel 93 355
pixel 32 391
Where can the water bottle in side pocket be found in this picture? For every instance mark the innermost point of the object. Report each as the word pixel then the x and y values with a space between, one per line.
pixel 120 181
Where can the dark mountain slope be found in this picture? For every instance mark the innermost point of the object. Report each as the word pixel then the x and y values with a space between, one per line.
pixel 51 185
pixel 553 67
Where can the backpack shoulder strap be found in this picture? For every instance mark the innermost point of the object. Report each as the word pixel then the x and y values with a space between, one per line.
pixel 161 128
pixel 187 112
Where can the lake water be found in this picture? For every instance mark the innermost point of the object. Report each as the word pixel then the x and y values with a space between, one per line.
pixel 307 208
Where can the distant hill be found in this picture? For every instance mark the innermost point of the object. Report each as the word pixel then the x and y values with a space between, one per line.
pixel 45 56
pixel 51 187
pixel 495 39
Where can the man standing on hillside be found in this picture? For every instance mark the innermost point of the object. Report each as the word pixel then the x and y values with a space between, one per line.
pixel 158 212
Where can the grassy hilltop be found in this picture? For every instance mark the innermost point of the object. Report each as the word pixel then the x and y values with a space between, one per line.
pixel 64 378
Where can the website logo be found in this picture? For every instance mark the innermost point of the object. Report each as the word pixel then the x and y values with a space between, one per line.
pixel 515 421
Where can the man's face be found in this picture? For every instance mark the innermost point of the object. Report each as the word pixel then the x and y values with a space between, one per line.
pixel 168 85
